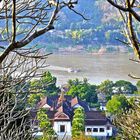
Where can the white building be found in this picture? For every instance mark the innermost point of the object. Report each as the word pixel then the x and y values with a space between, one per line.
pixel 97 125
pixel 60 112
pixel 103 106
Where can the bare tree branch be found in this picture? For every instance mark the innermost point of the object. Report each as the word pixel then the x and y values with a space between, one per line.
pixel 126 9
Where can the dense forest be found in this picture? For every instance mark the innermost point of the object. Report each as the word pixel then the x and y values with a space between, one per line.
pixel 101 29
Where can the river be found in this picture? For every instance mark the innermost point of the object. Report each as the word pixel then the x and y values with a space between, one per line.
pixel 96 68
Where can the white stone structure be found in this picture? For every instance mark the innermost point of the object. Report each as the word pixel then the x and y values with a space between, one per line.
pixel 60 111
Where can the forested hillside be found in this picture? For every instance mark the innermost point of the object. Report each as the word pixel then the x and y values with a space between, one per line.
pixel 73 33
pixel 100 33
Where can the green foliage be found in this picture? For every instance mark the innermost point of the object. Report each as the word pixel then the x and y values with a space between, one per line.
pixel 125 87
pixel 45 125
pixel 138 85
pixel 78 126
pixel 128 123
pixel 49 83
pixel 106 88
pixel 107 35
pixel 34 99
pixel 95 105
pixel 45 86
pixel 83 90
pixel 118 104
pixel 79 34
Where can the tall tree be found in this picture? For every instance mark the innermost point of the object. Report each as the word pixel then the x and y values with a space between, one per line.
pixel 83 90
pixel 46 84
pixel 128 123
pixel 138 85
pixel 45 125
pixel 21 22
pixel 124 87
pixel 129 10
pixel 78 126
pixel 106 88
pixel 117 105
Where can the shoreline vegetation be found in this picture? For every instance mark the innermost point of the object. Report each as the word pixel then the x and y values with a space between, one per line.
pixel 89 49
pixel 91 53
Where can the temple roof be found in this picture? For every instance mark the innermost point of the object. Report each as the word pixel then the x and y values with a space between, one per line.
pixel 62 109
pixel 95 115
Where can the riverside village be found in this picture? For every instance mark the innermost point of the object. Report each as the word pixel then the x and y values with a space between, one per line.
pixel 60 111
pixel 69 69
pixel 88 110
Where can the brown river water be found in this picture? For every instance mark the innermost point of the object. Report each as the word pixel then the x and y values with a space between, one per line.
pixel 96 68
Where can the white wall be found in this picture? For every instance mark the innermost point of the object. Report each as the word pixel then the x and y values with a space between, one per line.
pixel 110 132
pixel 103 108
pixel 67 124
pixel 105 133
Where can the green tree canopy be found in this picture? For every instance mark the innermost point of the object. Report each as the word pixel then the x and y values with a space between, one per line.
pixel 128 123
pixel 138 85
pixel 78 126
pixel 34 99
pixel 83 90
pixel 45 125
pixel 106 88
pixel 45 85
pixel 124 87
pixel 117 104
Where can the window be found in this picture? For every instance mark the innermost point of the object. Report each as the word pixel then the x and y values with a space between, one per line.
pixel 95 129
pixel 62 128
pixel 36 128
pixel 108 128
pixel 89 129
pixel 102 129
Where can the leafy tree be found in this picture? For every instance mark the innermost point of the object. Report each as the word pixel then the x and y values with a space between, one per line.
pixel 78 126
pixel 106 88
pixel 138 86
pixel 129 15
pixel 83 137
pixel 83 90
pixel 45 125
pixel 49 83
pixel 70 83
pixel 117 104
pixel 128 123
pixel 45 85
pixel 92 94
pixel 124 87
pixel 34 99
pixel 21 23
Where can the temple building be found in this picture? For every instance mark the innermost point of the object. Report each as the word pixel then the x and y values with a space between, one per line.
pixel 60 111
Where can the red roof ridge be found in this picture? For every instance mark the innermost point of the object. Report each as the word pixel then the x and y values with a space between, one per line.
pixel 74 101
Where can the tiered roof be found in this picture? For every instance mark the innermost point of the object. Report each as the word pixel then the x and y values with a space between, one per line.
pixel 61 108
